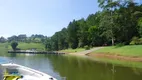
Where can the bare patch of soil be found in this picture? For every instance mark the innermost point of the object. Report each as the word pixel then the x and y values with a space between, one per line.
pixel 115 56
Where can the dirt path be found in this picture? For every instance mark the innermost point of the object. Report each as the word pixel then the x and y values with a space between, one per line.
pixel 85 52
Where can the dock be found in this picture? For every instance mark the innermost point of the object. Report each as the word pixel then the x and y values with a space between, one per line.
pixel 35 52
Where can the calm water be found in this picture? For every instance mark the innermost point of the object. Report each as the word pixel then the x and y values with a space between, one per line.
pixel 75 68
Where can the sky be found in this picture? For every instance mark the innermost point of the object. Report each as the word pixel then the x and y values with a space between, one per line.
pixel 41 16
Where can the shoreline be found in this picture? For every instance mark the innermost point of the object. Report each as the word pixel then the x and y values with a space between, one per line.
pixel 115 57
pixel 84 53
pixel 90 53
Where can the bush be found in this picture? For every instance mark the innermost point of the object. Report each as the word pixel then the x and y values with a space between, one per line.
pixel 140 41
pixel 135 41
pixel 87 47
pixel 119 44
pixel 14 45
pixel 132 43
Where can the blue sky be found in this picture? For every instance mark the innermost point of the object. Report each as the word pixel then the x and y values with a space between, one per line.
pixel 41 16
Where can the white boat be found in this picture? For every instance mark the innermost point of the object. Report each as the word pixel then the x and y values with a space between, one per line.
pixel 25 72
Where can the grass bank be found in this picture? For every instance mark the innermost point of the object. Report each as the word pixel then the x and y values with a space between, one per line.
pixel 130 52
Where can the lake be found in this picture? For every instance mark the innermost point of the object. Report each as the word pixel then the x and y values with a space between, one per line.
pixel 76 68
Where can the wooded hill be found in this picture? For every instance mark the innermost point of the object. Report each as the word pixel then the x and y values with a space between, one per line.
pixel 119 22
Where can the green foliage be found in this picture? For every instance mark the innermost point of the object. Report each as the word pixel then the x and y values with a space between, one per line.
pixel 140 26
pixel 82 33
pixel 14 45
pixel 118 22
pixel 73 34
pixel 87 47
pixel 23 38
pixel 140 41
pixel 135 41
pixel 119 44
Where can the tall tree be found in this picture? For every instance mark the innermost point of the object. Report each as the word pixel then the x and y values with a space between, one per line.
pixel 82 32
pixel 107 17
pixel 72 34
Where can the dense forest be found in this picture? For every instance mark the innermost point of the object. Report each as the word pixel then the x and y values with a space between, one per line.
pixel 119 22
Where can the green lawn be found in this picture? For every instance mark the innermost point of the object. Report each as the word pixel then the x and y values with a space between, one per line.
pixel 130 50
pixel 4 47
pixel 25 46
pixel 73 50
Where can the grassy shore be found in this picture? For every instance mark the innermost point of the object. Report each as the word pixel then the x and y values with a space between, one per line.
pixel 127 53
pixel 130 50
pixel 72 50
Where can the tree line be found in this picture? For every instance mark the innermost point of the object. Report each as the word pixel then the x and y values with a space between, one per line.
pixel 37 38
pixel 119 22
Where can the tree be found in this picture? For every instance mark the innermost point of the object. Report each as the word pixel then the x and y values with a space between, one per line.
pixel 72 34
pixel 140 28
pixel 2 39
pixel 107 17
pixel 12 38
pixel 119 19
pixel 118 22
pixel 94 36
pixel 48 44
pixel 94 31
pixel 127 19
pixel 22 37
pixel 14 45
pixel 82 33
pixel 107 25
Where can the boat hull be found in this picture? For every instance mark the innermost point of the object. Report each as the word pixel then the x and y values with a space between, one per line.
pixel 28 73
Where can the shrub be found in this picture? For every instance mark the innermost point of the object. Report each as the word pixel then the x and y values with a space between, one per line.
pixel 132 43
pixel 14 45
pixel 135 41
pixel 140 41
pixel 87 47
pixel 119 44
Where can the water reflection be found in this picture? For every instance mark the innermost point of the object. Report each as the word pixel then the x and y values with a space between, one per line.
pixel 12 54
pixel 83 69
pixel 75 68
